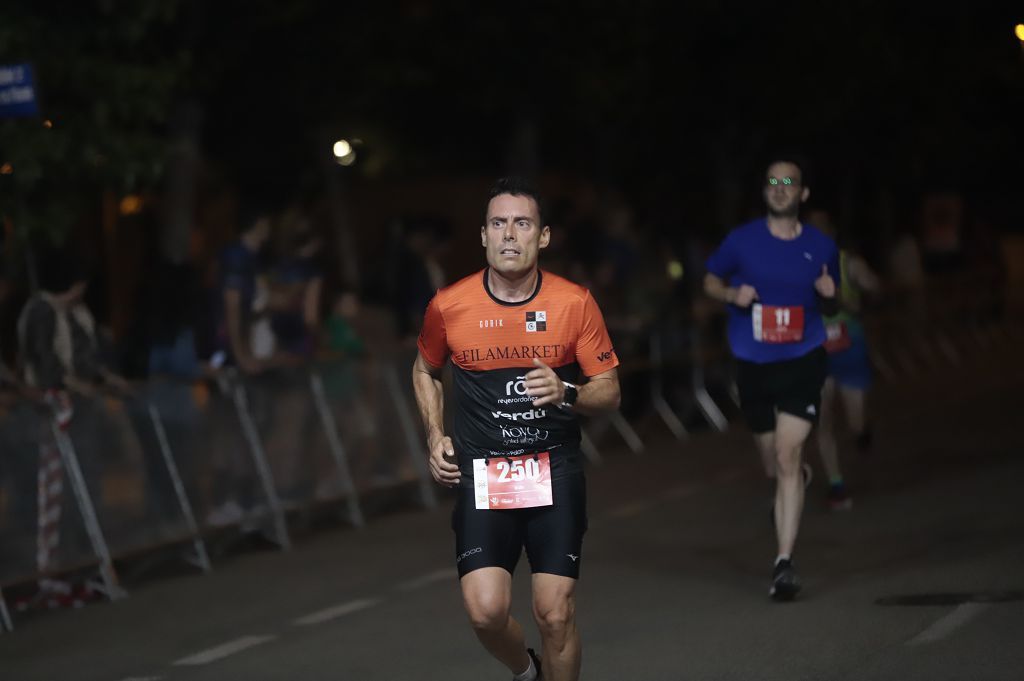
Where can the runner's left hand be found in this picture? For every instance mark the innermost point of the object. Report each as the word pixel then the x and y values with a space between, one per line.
pixel 825 285
pixel 544 385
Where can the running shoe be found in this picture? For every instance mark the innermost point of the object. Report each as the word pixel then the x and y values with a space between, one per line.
pixel 536 663
pixel 785 583
pixel 839 498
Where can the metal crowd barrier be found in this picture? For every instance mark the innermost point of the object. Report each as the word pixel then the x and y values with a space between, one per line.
pixel 181 461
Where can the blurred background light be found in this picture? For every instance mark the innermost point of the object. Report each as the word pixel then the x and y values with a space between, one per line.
pixel 342 148
pixel 131 205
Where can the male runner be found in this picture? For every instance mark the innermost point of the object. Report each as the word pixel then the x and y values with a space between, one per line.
pixel 776 275
pixel 517 338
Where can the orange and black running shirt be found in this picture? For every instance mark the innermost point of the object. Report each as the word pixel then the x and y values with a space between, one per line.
pixel 492 345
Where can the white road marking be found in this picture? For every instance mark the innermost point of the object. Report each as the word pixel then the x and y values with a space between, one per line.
pixel 336 611
pixel 680 492
pixel 730 475
pixel 637 507
pixel 427 579
pixel 629 510
pixel 945 626
pixel 223 650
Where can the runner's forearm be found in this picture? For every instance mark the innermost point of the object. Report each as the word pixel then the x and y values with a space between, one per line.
pixel 715 288
pixel 600 394
pixel 430 399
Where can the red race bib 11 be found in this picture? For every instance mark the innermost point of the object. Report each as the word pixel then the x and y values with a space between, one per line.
pixel 513 482
pixel 777 323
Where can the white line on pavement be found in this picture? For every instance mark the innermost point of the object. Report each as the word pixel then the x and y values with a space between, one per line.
pixel 731 475
pixel 427 579
pixel 628 510
pixel 333 612
pixel 680 492
pixel 945 626
pixel 223 650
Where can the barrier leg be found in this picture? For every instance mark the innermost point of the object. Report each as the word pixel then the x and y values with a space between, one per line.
pixel 948 348
pixel 633 441
pixel 589 449
pixel 412 440
pixel 262 469
pixel 338 453
pixel 661 406
pixel 201 559
pixel 712 414
pixel 881 364
pixel 6 624
pixel 109 584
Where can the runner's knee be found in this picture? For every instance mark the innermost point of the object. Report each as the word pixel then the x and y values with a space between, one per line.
pixel 554 617
pixel 487 612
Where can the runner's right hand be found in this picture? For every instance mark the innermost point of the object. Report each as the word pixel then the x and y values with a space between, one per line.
pixel 745 295
pixel 442 463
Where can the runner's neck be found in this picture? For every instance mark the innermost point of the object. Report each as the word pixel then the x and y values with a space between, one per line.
pixel 512 290
pixel 785 228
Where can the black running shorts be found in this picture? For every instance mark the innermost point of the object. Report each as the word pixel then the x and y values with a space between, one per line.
pixel 792 386
pixel 552 535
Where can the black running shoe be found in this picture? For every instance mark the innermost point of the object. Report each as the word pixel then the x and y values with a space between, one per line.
pixel 785 583
pixel 536 662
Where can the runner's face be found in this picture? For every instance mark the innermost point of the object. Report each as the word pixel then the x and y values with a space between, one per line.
pixel 513 235
pixel 783 189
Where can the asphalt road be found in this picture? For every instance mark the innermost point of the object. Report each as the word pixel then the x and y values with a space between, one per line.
pixel 674 575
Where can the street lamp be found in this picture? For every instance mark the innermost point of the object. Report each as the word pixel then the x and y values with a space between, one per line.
pixel 344 154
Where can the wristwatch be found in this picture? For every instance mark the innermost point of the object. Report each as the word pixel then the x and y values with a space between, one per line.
pixel 571 393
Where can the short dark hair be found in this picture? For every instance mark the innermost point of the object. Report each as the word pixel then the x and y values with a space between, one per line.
pixel 518 186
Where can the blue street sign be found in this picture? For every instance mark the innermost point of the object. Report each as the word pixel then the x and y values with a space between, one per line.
pixel 17 91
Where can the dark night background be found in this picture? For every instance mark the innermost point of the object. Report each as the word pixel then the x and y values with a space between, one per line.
pixel 673 107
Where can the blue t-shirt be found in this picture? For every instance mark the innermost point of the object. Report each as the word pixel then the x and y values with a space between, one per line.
pixel 783 274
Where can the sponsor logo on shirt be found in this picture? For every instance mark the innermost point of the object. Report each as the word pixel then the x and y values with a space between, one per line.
pixel 515 392
pixel 536 321
pixel 492 323
pixel 523 435
pixel 521 415
pixel 605 356
pixel 510 352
